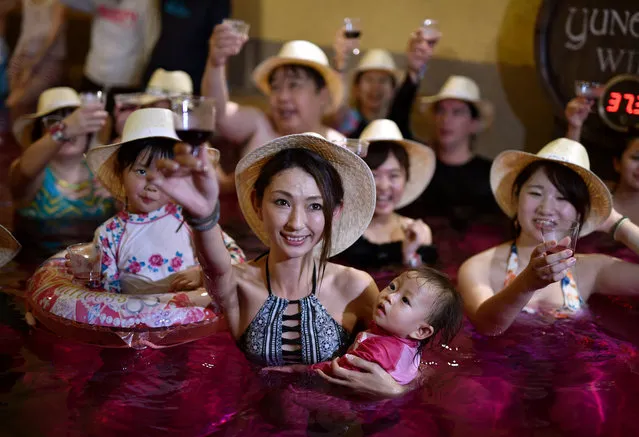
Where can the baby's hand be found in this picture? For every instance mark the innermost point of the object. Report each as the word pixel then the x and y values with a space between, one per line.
pixel 187 280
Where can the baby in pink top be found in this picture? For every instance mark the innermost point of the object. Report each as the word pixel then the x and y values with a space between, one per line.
pixel 412 310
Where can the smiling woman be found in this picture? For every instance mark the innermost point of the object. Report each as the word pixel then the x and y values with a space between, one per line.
pixel 548 189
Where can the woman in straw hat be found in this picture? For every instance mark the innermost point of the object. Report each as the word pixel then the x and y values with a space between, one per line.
pixel 306 199
pixel 549 189
pixel 402 170
pixel 373 89
pixel 51 179
pixel 145 247
pixel 300 85
pixel 460 188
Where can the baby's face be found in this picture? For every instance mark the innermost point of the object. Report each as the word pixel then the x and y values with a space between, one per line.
pixel 404 306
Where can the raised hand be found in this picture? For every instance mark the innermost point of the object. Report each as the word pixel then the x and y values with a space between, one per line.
pixel 416 234
pixel 419 51
pixel 343 48
pixel 87 119
pixel 189 180
pixel 548 263
pixel 577 111
pixel 224 42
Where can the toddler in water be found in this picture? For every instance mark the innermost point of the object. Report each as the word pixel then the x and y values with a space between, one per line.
pixel 147 247
pixel 412 310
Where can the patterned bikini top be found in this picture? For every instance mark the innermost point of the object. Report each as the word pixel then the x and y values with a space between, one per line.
pixel 572 299
pixel 319 336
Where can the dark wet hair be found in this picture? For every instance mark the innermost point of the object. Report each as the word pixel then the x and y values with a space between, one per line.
pixel 358 77
pixel 38 132
pixel 571 186
pixel 155 147
pixel 447 312
pixel 326 177
pixel 631 136
pixel 378 152
pixel 300 71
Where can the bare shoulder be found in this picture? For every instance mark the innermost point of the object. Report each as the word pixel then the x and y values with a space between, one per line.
pixel 484 259
pixel 248 273
pixel 349 281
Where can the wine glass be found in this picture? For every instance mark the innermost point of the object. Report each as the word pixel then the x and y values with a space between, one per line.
pixel 559 231
pixel 355 145
pixel 240 27
pixel 352 30
pixel 430 31
pixel 195 118
pixel 590 91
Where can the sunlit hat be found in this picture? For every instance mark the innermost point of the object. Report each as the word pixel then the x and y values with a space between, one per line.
pixel 421 158
pixel 50 101
pixel 141 124
pixel 357 181
pixel 377 59
pixel 508 164
pixel 170 82
pixel 9 246
pixel 466 89
pixel 301 53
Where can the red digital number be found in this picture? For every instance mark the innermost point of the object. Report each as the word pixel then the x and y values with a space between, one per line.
pixel 613 102
pixel 636 110
pixel 631 101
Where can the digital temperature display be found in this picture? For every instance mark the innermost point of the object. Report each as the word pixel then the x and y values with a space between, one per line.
pixel 619 103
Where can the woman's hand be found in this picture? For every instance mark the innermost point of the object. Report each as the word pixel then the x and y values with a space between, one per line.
pixel 189 279
pixel 416 234
pixel 189 180
pixel 577 111
pixel 418 52
pixel 343 48
pixel 224 42
pixel 87 119
pixel 372 380
pixel 548 264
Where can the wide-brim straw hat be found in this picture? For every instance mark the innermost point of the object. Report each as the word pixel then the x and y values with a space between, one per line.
pixel 9 246
pixel 421 158
pixel 301 53
pixel 170 82
pixel 508 164
pixel 378 60
pixel 141 124
pixel 49 101
pixel 357 180
pixel 465 89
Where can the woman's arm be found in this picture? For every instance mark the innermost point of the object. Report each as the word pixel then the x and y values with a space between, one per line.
pixel 492 313
pixel 25 172
pixel 234 122
pixel 58 13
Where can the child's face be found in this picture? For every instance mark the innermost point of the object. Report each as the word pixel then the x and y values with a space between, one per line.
pixel 404 306
pixel 142 196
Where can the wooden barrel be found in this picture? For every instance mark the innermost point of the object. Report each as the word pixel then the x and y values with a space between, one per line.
pixel 589 40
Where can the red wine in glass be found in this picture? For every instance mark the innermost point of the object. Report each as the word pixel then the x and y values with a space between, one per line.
pixel 194 137
pixel 352 34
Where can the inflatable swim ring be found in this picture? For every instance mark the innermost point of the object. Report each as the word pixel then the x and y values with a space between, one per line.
pixel 117 320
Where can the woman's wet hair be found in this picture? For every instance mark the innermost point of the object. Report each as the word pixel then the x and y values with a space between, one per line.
pixel 300 71
pixel 326 177
pixel 38 132
pixel 447 312
pixel 150 148
pixel 379 151
pixel 571 186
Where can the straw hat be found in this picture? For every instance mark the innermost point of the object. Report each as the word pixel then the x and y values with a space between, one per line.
pixel 357 180
pixel 170 82
pixel 462 88
pixel 378 60
pixel 50 101
pixel 508 164
pixel 421 158
pixel 9 246
pixel 143 123
pixel 301 53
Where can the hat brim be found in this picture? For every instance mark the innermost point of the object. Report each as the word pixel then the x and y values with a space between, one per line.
pixel 507 166
pixel 357 180
pixel 26 121
pixel 333 81
pixel 421 168
pixel 9 246
pixel 102 162
pixel 485 109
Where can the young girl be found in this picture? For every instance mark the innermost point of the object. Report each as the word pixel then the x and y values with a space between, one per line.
pixel 147 248
pixel 416 306
pixel 38 60
pixel 56 196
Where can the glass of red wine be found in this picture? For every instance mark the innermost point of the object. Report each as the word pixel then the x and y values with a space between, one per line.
pixel 195 119
pixel 591 91
pixel 558 231
pixel 352 30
